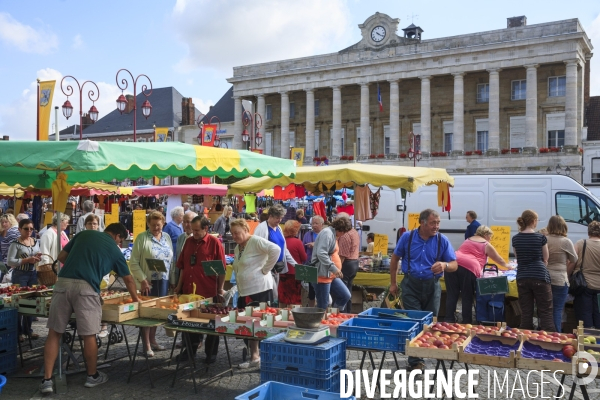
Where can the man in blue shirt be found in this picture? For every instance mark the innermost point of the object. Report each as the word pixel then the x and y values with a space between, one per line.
pixel 426 254
pixel 473 224
pixel 174 228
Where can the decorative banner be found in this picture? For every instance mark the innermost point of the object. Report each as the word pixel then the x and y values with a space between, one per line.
pixel 113 217
pixel 139 222
pixel 413 221
pixel 501 240
pixel 380 244
pixel 209 132
pixel 298 155
pixel 161 134
pixel 45 108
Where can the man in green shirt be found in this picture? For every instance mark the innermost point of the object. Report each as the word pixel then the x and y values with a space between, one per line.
pixel 87 258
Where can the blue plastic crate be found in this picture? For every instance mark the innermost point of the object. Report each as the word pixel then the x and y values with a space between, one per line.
pixel 279 391
pixel 8 362
pixel 323 359
pixel 8 319
pixel 327 384
pixel 422 317
pixel 377 334
pixel 8 341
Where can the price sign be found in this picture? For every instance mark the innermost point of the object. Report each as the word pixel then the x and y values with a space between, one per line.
pixel 48 218
pixel 128 307
pixel 306 273
pixel 496 285
pixel 139 222
pixel 113 217
pixel 380 244
pixel 501 240
pixel 413 221
pixel 213 268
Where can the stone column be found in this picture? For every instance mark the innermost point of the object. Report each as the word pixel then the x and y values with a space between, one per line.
pixel 571 104
pixel 237 123
pixel 261 109
pixel 285 125
pixel 425 115
pixel 531 111
pixel 458 133
pixel 364 119
pixel 309 151
pixel 494 112
pixel 394 118
pixel 336 134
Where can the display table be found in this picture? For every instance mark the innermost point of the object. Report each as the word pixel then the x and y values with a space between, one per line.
pixel 141 323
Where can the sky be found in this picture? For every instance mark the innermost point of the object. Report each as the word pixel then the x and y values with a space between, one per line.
pixel 193 45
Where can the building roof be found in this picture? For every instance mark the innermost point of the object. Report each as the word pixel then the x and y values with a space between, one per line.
pixel 224 109
pixel 71 130
pixel 593 118
pixel 166 112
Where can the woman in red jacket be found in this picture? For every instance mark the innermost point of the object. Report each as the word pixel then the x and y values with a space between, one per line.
pixel 289 289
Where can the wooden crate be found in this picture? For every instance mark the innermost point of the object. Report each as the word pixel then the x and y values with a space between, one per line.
pixel 33 303
pixel 538 365
pixel 161 308
pixel 114 311
pixel 428 352
pixel 492 361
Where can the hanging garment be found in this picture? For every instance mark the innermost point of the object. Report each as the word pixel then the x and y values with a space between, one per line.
pixel 444 196
pixel 375 202
pixel 250 200
pixel 300 191
pixel 362 203
pixel 286 193
pixel 349 209
pixel 319 209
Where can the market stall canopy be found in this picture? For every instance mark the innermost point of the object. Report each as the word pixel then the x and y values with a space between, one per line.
pixel 209 190
pixel 78 189
pixel 320 179
pixel 23 163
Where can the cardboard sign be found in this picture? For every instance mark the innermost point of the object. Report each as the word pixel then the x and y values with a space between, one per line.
pixel 501 240
pixel 306 273
pixel 213 268
pixel 113 217
pixel 413 221
pixel 380 244
pixel 139 222
pixel 48 218
pixel 252 225
pixel 495 285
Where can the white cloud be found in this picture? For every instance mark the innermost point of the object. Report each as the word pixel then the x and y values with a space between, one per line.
pixel 593 32
pixel 224 34
pixel 203 105
pixel 40 40
pixel 77 42
pixel 18 118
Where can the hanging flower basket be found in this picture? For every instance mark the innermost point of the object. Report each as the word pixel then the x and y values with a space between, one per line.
pixel 403 155
pixel 372 156
pixel 514 151
pixel 505 151
pixel 478 152
pixel 350 158
pixel 544 150
pixel 344 158
pixel 554 149
pixel 380 155
pixel 468 153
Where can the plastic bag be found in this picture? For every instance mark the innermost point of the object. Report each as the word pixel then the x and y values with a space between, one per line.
pixel 392 301
pixel 230 294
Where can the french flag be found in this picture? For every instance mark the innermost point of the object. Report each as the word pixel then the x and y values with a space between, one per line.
pixel 379 99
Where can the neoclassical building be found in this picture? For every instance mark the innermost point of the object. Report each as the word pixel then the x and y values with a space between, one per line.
pixel 506 100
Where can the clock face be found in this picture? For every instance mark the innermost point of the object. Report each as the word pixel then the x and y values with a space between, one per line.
pixel 378 33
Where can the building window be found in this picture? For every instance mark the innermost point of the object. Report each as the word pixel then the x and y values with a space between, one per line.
pixel 483 93
pixel 417 132
pixel 317 142
pixel 482 140
pixel 386 139
pixel 358 140
pixel 518 129
pixel 595 170
pixel 518 90
pixel 556 138
pixel 316 108
pixel 343 141
pixel 292 139
pixel 448 135
pixel 292 110
pixel 269 112
pixel 269 143
pixel 557 86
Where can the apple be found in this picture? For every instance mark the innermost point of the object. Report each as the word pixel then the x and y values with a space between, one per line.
pixel 570 336
pixel 506 334
pixel 426 345
pixel 526 331
pixel 563 337
pixel 568 351
pixel 416 344
pixel 437 333
pixel 438 343
pixel 555 334
pixel 444 347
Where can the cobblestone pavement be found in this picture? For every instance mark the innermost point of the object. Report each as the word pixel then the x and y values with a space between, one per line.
pixel 225 388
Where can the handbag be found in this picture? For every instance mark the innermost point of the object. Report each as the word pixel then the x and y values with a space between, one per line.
pixel 577 283
pixel 279 266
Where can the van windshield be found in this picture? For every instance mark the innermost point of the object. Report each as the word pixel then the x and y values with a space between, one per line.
pixel 577 208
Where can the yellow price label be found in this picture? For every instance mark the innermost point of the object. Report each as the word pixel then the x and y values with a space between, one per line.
pixel 380 244
pixel 501 240
pixel 413 221
pixel 295 334
pixel 113 217
pixel 139 222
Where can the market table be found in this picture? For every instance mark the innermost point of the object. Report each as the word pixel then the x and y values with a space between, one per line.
pixel 141 323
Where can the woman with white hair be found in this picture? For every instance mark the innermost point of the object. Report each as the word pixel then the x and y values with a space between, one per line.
pixel 174 227
pixel 9 232
pixel 221 225
pixel 48 239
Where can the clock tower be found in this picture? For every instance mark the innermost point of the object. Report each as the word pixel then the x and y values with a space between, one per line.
pixel 379 30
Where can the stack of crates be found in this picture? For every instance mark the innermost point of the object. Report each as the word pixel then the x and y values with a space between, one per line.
pixel 309 366
pixel 8 340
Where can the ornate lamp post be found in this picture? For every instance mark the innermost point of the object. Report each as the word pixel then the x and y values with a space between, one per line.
pixel 67 108
pixel 413 154
pixel 247 119
pixel 122 101
pixel 200 123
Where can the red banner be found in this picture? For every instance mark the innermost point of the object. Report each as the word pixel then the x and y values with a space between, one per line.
pixel 205 181
pixel 209 133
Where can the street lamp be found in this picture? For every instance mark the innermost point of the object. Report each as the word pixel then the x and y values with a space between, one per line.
pixel 200 123
pixel 254 120
pixel 67 108
pixel 413 154
pixel 558 169
pixel 122 101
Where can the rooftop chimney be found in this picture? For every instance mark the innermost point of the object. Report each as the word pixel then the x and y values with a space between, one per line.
pixel 130 103
pixel 516 22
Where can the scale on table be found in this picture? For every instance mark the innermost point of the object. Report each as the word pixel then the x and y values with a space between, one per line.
pixel 308 328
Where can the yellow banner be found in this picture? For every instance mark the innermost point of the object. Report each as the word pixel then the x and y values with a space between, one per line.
pixel 161 134
pixel 139 222
pixel 46 89
pixel 298 155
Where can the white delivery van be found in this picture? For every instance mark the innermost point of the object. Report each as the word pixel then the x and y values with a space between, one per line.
pixel 497 200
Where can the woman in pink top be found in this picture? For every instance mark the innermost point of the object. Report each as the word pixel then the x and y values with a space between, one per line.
pixel 471 256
